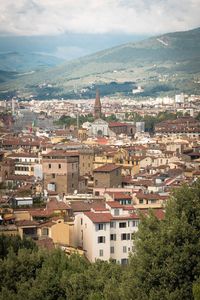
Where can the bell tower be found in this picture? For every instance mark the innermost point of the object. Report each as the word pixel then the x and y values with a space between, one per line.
pixel 97 106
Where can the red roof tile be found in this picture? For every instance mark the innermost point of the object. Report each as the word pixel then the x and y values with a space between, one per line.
pixel 46 243
pixel 57 205
pixel 107 168
pixel 25 223
pixel 117 124
pixel 114 204
pixel 98 217
pixel 119 195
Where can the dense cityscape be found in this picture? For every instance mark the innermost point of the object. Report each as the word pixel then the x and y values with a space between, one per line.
pixel 99 150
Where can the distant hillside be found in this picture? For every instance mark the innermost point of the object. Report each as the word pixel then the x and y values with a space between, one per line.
pixel 165 64
pixel 26 62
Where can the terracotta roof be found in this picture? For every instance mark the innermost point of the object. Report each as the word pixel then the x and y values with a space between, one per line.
pixel 39 213
pixel 102 141
pixel 107 168
pixel 31 155
pixel 21 177
pixel 53 205
pixel 150 196
pixel 196 173
pixel 81 206
pixel 132 216
pixel 24 223
pixel 114 204
pixel 117 124
pixel 47 224
pixel 158 212
pixel 119 195
pixel 45 243
pixel 99 217
pixel 61 153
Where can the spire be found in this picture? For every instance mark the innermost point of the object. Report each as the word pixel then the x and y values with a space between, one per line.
pixel 97 106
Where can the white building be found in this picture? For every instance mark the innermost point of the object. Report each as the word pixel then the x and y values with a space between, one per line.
pixel 107 233
pixel 27 164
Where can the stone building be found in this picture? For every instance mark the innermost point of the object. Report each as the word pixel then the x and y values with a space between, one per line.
pixel 97 106
pixel 61 171
pixel 108 175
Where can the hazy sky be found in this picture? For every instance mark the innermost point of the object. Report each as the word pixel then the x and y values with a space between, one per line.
pixel 52 17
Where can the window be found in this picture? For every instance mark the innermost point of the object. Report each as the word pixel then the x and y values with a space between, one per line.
pixel 100 226
pixel 101 252
pixel 113 237
pixel 45 231
pixel 112 249
pixel 96 182
pixel 122 224
pixel 81 221
pixel 124 261
pixel 153 200
pixel 141 201
pixel 59 166
pixel 124 249
pixel 53 175
pixel 135 223
pixel 101 239
pixel 125 236
pixel 49 166
pixel 116 212
pixel 112 225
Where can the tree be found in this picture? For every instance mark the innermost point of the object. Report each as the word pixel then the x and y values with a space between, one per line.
pixel 14 242
pixel 166 261
pixel 196 290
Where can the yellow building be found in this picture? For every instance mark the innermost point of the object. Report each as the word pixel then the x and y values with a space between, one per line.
pixel 130 164
pixel 59 231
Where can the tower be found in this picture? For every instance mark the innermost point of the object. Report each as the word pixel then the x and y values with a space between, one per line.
pixel 97 106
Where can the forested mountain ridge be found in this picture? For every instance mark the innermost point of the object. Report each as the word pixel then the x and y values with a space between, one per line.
pixel 165 64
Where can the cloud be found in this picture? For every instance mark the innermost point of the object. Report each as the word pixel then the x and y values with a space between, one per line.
pixel 52 17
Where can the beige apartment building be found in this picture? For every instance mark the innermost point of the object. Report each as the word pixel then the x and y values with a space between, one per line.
pixel 61 171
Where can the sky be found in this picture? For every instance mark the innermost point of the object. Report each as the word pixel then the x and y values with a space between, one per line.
pixel 112 20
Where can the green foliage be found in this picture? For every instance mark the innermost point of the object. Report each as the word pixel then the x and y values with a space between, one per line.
pixel 151 121
pixel 68 121
pixel 15 243
pixel 161 70
pixel 165 263
pixel 53 275
pixel 111 118
pixel 196 290
pixel 167 258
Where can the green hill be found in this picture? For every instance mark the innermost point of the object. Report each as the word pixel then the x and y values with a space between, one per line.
pixel 165 64
pixel 26 62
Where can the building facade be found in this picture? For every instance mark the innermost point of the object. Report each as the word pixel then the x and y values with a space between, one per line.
pixel 107 234
pixel 61 171
pixel 108 175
